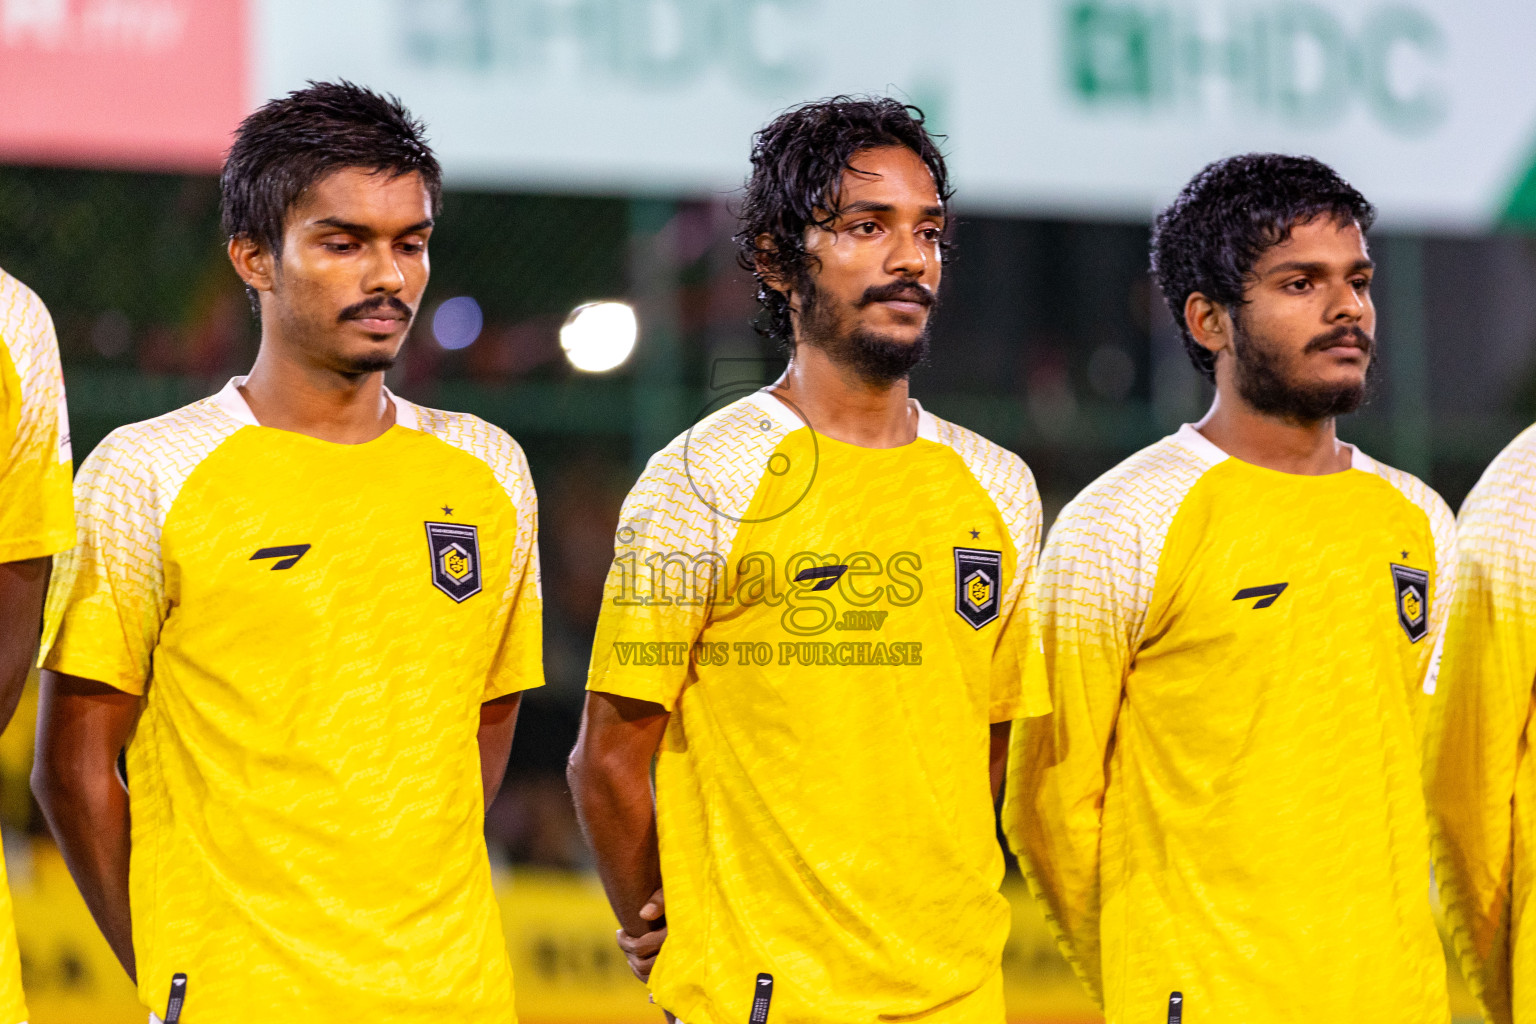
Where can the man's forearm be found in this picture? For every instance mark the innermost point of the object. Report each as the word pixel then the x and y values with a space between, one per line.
pixel 619 817
pixel 498 721
pixel 22 588
pixel 89 819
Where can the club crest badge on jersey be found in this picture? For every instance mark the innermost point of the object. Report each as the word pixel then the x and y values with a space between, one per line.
pixel 978 585
pixel 1411 587
pixel 455 550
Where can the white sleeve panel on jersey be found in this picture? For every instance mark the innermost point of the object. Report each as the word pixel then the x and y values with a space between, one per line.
pixel 1442 525
pixel 1093 594
pixel 36 510
pixel 27 331
pixel 1478 725
pixel 107 600
pixel 675 534
pixel 519 664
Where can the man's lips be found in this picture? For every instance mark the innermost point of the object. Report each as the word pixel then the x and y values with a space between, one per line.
pixel 381 322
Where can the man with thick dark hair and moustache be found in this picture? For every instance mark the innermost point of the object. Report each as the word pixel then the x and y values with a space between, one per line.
pixel 1223 814
pixel 308 608
pixel 815 627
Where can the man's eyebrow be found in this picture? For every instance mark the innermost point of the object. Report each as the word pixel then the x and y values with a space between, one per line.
pixel 1309 267
pixel 870 206
pixel 363 229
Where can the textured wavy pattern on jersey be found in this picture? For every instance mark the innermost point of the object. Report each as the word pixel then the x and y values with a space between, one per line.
pixel 1481 789
pixel 1112 535
pixel 36 515
pixel 496 448
pixel 124 491
pixel 1106 542
pixel 688 502
pixel 27 332
pixel 1219 777
pixel 1005 477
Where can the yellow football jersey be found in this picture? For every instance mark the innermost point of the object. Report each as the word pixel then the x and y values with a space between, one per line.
pixel 37 516
pixel 834 629
pixel 1222 816
pixel 314 627
pixel 1480 781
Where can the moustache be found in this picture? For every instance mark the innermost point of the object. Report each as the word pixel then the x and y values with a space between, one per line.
pixel 1354 335
pixel 897 291
pixel 378 303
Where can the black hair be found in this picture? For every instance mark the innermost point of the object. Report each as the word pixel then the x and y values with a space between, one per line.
pixel 1210 237
pixel 289 144
pixel 797 171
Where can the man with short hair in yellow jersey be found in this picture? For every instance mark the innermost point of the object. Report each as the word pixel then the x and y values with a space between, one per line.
pixel 1479 778
pixel 37 521
pixel 814 624
pixel 307 607
pixel 1222 815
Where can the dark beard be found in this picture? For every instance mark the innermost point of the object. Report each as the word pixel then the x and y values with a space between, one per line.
pixel 361 365
pixel 875 359
pixel 1264 385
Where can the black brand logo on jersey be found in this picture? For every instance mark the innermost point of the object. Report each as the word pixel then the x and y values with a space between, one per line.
pixel 455 550
pixel 1411 592
pixel 1176 999
pixel 978 580
pixel 287 556
pixel 826 574
pixel 1267 594
pixel 762 998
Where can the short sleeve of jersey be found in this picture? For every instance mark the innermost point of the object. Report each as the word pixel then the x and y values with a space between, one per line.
pixel 679 520
pixel 36 510
pixel 1019 688
pixel 664 527
pixel 106 600
pixel 519 662
pixel 107 596
pixel 1442 525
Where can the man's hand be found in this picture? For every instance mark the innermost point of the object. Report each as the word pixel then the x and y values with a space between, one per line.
pixel 641 950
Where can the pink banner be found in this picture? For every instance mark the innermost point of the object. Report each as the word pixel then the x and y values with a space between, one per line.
pixel 154 84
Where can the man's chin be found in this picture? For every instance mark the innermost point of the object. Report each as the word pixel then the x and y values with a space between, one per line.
pixel 361 363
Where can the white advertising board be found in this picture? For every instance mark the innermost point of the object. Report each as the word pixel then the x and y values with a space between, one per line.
pixel 1077 107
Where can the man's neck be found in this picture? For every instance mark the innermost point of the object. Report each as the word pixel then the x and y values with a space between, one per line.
pixel 1306 449
pixel 839 405
pixel 321 403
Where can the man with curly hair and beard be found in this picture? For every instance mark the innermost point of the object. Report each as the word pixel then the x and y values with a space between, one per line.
pixel 1223 814
pixel 815 628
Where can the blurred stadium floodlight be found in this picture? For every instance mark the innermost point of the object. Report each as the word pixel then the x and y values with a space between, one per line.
pixel 457 322
pixel 598 336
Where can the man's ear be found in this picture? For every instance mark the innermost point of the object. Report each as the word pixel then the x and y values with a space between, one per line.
pixel 767 249
pixel 253 262
pixel 1209 323
pixel 772 276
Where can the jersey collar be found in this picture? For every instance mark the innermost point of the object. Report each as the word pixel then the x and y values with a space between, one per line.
pixel 787 419
pixel 234 405
pixel 1198 443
